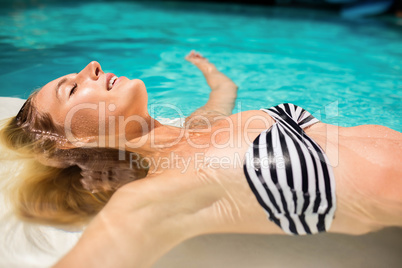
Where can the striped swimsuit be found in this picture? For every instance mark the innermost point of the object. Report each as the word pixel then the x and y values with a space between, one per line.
pixel 290 174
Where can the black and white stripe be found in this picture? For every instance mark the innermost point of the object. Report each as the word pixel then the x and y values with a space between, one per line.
pixel 290 174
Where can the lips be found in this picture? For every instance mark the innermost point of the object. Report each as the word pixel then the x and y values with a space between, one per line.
pixel 118 80
pixel 109 77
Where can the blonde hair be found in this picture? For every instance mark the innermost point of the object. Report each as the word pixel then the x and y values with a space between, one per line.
pixel 55 194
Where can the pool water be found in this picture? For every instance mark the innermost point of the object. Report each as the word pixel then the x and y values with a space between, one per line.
pixel 346 72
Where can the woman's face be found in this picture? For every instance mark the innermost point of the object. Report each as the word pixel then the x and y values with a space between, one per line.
pixel 87 101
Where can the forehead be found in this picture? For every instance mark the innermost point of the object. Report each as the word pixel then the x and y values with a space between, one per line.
pixel 46 98
pixel 50 88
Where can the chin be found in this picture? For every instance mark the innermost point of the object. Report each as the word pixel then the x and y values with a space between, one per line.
pixel 133 86
pixel 134 97
pixel 139 84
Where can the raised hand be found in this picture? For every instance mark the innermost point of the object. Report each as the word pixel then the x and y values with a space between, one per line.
pixel 201 62
pixel 223 91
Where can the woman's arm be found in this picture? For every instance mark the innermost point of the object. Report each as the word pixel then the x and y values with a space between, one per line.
pixel 143 220
pixel 223 91
pixel 117 238
pixel 109 242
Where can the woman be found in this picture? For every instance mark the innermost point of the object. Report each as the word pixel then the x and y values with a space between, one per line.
pixel 221 173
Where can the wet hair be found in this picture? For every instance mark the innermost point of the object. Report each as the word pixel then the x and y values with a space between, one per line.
pixel 56 186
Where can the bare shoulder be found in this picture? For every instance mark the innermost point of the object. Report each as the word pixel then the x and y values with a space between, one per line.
pixel 254 119
pixel 202 119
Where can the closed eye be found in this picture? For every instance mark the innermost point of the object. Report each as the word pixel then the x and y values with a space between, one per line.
pixel 73 89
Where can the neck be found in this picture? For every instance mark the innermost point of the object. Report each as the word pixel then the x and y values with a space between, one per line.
pixel 147 137
pixel 134 132
pixel 137 126
pixel 156 139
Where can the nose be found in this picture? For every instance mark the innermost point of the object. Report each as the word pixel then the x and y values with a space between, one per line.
pixel 92 70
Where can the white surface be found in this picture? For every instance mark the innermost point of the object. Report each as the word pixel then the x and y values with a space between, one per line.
pixel 9 106
pixel 26 245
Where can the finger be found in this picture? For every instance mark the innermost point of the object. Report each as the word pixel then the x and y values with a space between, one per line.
pixel 190 54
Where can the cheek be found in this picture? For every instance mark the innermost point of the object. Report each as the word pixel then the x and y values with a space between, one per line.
pixel 93 122
pixel 89 95
pixel 83 123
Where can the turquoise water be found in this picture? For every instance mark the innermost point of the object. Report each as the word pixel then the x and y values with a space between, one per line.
pixel 346 72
